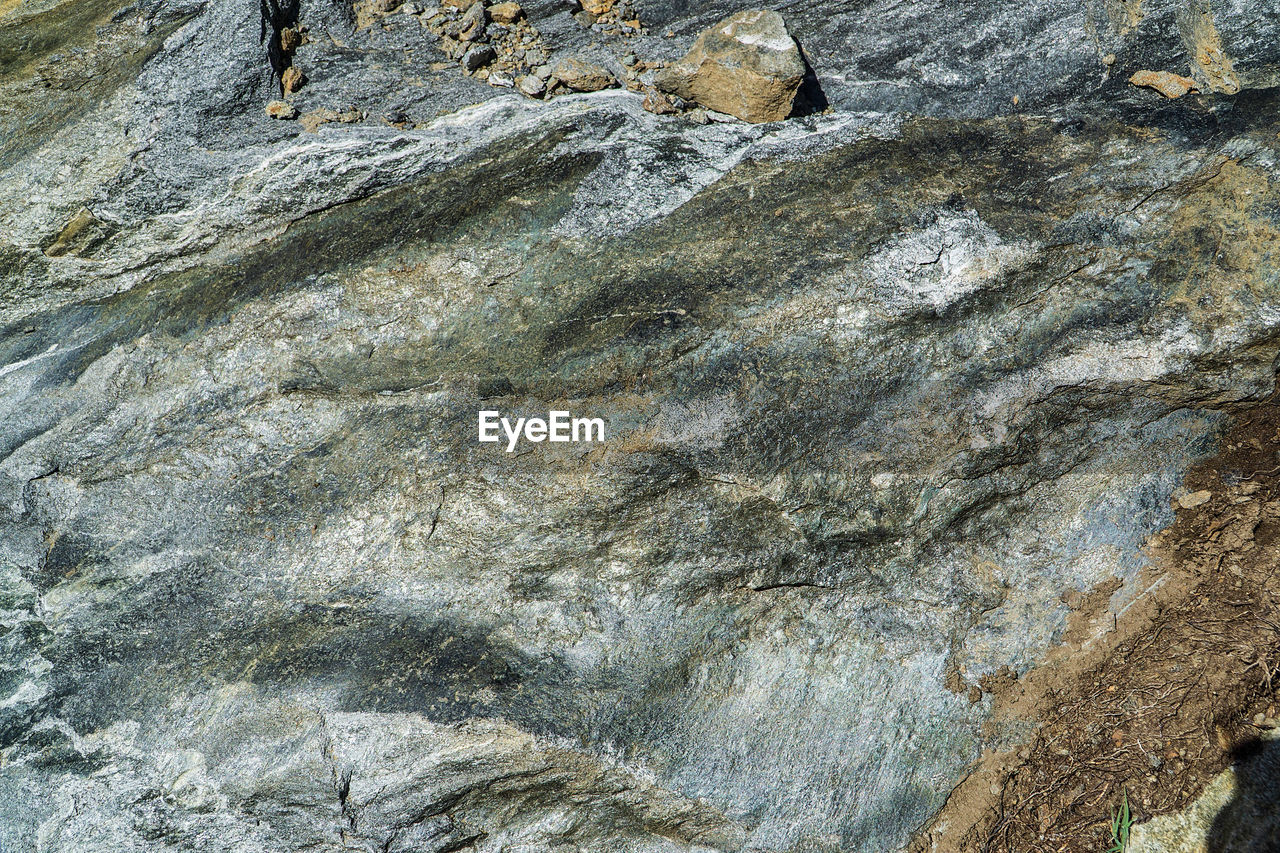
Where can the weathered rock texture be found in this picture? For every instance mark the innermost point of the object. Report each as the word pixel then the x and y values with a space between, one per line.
pixel 747 65
pixel 881 384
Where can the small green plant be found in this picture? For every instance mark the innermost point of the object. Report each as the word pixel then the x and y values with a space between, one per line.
pixel 1121 822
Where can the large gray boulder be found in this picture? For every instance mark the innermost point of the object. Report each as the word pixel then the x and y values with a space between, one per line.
pixel 881 386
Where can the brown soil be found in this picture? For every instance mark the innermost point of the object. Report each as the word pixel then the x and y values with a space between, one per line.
pixel 1157 702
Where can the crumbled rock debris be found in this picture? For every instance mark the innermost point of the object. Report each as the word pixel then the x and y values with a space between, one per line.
pixel 281 110
pixel 1165 82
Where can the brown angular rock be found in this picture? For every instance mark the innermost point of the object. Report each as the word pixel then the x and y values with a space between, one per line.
pixel 281 110
pixel 747 65
pixel 506 13
pixel 290 40
pixel 583 76
pixel 659 104
pixel 1165 82
pixel 292 79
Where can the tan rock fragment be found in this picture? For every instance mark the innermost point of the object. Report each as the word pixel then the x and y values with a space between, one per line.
pixel 281 110
pixel 583 76
pixel 290 40
pixel 505 13
pixel 292 79
pixel 659 104
pixel 747 65
pixel 1195 499
pixel 1165 82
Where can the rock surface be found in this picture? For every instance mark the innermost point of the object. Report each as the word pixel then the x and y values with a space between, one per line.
pixel 747 66
pixel 881 383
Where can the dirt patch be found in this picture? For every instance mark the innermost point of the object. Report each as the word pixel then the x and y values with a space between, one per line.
pixel 1156 703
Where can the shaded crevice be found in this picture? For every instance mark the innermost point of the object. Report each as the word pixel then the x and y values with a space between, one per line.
pixel 810 99
pixel 278 16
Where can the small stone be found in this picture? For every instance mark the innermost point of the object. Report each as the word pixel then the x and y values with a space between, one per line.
pixel 281 110
pixel 1194 499
pixel 537 56
pixel 506 13
pixel 395 117
pixel 660 104
pixel 531 86
pixel 629 60
pixel 477 57
pixel 747 65
pixel 460 4
pixel 411 9
pixel 542 72
pixel 583 76
pixel 471 26
pixel 1166 83
pixel 290 39
pixel 585 19
pixel 292 79
pixel 501 79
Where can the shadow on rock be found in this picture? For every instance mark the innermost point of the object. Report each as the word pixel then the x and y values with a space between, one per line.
pixel 1250 822
pixel 278 15
pixel 810 98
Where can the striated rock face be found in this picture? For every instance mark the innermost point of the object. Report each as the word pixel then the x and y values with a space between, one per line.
pixel 747 65
pixel 882 385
